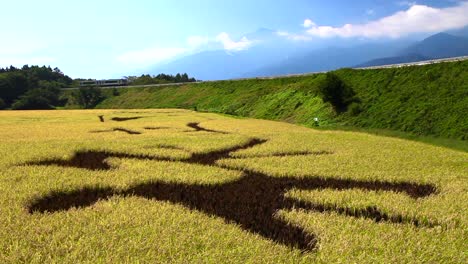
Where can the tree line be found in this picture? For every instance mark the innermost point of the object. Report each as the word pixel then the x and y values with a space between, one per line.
pixel 31 87
pixel 35 87
pixel 162 78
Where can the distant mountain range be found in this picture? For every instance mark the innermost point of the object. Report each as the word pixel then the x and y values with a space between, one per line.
pixel 439 46
pixel 393 60
pixel 326 59
pixel 274 55
pixel 442 45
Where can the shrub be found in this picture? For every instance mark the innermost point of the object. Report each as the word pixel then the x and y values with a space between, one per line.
pixel 115 92
pixel 354 108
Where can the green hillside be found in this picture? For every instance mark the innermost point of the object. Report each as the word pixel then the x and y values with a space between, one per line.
pixel 422 100
pixel 425 100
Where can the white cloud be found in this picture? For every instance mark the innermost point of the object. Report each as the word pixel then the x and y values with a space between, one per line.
pixel 231 45
pixel 150 56
pixel 157 55
pixel 308 23
pixel 417 19
pixel 197 41
pixel 295 37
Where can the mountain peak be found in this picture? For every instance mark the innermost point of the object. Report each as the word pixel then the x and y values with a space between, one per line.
pixel 460 32
pixel 440 45
pixel 442 36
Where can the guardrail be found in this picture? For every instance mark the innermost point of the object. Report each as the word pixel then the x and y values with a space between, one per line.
pixel 417 63
pixel 135 86
pixel 399 65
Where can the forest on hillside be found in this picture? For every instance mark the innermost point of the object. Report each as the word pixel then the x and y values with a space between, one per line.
pixel 39 87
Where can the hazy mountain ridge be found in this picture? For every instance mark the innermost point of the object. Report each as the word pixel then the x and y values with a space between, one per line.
pixel 393 60
pixel 327 59
pixel 438 46
pixel 274 55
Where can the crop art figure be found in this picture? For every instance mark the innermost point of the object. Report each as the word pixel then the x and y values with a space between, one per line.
pixel 251 201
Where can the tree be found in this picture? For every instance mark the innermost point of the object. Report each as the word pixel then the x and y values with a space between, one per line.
pixel 12 85
pixel 88 97
pixel 178 78
pixel 36 99
pixel 185 78
pixel 15 82
pixel 58 71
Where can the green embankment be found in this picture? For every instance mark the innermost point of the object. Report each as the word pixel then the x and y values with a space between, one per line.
pixel 290 99
pixel 423 100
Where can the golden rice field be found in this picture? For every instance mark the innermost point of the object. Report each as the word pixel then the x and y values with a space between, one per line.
pixel 159 186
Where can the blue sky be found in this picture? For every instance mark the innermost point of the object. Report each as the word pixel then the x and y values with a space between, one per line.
pixel 103 39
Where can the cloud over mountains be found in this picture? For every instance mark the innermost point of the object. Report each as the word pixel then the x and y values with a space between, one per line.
pixel 416 19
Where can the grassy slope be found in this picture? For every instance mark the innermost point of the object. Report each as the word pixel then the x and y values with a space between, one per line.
pixel 290 99
pixel 427 100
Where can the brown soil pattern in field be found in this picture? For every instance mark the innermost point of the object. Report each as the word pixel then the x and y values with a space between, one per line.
pixel 288 154
pixel 164 146
pixel 118 129
pixel 122 119
pixel 101 118
pixel 198 128
pixel 156 128
pixel 251 201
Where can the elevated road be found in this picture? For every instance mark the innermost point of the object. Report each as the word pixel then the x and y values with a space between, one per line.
pixel 418 63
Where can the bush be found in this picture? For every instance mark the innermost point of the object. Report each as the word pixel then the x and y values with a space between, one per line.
pixel 2 104
pixel 115 92
pixel 354 108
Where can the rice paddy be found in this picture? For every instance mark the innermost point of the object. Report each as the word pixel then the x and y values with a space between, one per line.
pixel 180 186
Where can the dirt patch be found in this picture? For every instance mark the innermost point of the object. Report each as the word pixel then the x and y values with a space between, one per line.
pixel 370 212
pixel 198 128
pixel 91 160
pixel 122 119
pixel 94 160
pixel 156 128
pixel 131 132
pixel 251 201
pixel 164 146
pixel 287 154
pixel 118 129
pixel 54 201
